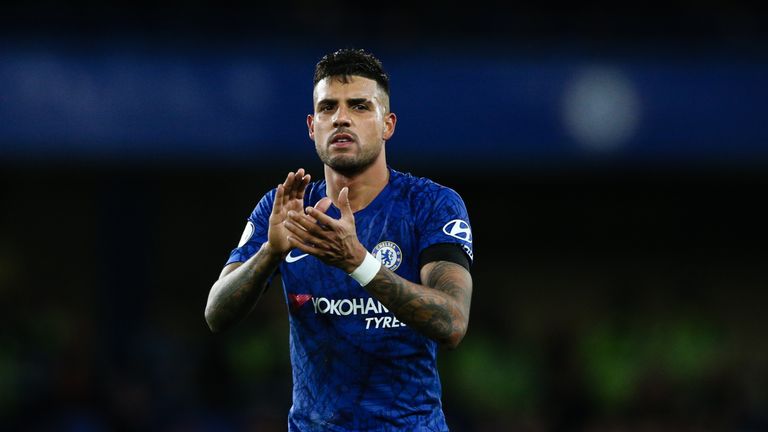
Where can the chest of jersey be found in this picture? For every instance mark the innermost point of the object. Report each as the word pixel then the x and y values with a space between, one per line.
pixel 320 296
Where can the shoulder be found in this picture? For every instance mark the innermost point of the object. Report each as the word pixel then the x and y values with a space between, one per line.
pixel 423 192
pixel 265 203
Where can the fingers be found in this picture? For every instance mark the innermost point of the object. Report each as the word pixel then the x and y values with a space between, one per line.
pixel 344 206
pixel 295 180
pixel 287 186
pixel 296 183
pixel 323 205
pixel 318 212
pixel 306 248
pixel 277 205
pixel 304 181
pixel 293 187
pixel 321 217
pixel 312 236
pixel 308 223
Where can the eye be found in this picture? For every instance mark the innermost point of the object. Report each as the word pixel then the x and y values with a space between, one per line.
pixel 326 108
pixel 360 107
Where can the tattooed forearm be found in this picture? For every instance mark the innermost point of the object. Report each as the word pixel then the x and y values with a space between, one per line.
pixel 439 310
pixel 235 294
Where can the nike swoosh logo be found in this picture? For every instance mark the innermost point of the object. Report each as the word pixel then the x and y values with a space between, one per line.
pixel 290 258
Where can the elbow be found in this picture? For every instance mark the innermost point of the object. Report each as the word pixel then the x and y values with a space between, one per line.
pixel 454 339
pixel 215 315
pixel 211 319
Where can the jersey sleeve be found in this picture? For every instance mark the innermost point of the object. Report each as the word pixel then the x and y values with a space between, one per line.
pixel 445 220
pixel 255 232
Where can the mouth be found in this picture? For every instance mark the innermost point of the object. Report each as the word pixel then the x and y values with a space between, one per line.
pixel 342 140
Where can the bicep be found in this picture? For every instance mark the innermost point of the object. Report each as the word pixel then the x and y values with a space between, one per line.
pixel 451 279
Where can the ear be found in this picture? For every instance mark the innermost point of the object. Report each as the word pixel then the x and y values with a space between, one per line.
pixel 390 120
pixel 311 126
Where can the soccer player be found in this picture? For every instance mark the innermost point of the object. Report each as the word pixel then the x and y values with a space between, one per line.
pixel 374 265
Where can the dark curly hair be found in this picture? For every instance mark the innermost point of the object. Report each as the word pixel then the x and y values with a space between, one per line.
pixel 347 62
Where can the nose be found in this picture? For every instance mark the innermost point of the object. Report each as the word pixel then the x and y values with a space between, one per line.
pixel 341 117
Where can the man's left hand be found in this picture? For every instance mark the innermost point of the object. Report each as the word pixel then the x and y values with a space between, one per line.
pixel 333 241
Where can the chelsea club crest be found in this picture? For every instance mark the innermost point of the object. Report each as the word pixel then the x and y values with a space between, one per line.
pixel 389 254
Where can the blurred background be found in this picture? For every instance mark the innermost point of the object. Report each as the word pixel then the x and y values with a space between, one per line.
pixel 613 158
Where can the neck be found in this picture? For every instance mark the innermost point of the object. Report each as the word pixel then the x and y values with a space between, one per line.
pixel 364 186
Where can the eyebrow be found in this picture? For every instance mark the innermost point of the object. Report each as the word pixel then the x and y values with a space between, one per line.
pixel 352 101
pixel 355 101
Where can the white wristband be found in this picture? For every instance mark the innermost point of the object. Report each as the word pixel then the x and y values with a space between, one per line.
pixel 367 270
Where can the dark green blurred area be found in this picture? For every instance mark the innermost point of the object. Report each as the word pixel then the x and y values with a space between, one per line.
pixel 604 299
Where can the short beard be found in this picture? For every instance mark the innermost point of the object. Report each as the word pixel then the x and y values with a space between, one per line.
pixel 348 165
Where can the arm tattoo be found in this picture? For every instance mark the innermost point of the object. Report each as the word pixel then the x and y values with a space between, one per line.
pixel 235 294
pixel 439 310
pixel 445 276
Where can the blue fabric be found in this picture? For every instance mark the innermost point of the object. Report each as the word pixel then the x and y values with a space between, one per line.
pixel 356 366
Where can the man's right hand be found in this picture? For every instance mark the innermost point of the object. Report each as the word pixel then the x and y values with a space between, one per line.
pixel 241 284
pixel 289 196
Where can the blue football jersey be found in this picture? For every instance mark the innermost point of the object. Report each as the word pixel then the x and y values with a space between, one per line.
pixel 355 365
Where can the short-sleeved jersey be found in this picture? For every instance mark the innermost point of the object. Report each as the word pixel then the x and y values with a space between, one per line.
pixel 355 365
